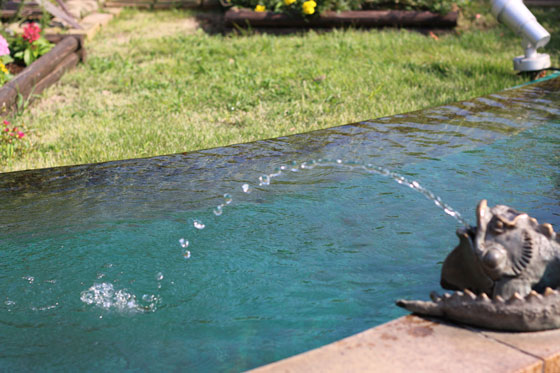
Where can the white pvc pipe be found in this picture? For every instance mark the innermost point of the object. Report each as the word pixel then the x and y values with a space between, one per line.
pixel 515 15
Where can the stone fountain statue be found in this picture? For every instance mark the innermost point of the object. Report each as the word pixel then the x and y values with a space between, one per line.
pixel 505 272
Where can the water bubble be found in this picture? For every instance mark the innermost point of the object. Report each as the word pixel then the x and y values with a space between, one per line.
pixel 308 165
pixel 46 308
pixel 245 188
pixel 294 166
pixel 339 161
pixel 198 224
pixel 282 168
pixel 9 302
pixel 159 276
pixel 228 198
pixel 187 254
pixel 264 180
pixel 148 297
pixel 184 243
pixel 277 172
pixel 29 279
pixel 218 210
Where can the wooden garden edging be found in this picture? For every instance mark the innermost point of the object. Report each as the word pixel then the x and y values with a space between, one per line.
pixel 42 73
pixel 164 4
pixel 551 3
pixel 357 18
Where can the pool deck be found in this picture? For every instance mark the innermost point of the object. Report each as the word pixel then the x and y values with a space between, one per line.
pixel 414 344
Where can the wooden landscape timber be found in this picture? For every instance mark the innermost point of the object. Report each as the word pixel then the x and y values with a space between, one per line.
pixel 163 4
pixel 552 3
pixel 358 18
pixel 42 73
pixel 30 10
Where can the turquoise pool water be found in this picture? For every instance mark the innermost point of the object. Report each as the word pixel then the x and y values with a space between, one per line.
pixel 93 276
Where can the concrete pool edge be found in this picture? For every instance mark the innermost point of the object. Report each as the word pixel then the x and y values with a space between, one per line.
pixel 429 345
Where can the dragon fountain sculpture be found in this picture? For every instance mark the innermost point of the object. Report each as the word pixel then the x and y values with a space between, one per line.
pixel 504 271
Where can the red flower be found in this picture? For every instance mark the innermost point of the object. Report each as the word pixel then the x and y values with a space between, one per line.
pixel 20 135
pixel 31 32
pixel 6 123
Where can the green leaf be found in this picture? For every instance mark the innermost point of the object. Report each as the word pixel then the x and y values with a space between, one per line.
pixel 27 57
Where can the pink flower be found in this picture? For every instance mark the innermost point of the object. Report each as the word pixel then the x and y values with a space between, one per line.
pixel 20 134
pixel 12 134
pixel 4 50
pixel 6 123
pixel 31 32
pixel 6 129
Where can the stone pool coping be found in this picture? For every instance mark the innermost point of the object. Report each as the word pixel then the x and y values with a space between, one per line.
pixel 412 343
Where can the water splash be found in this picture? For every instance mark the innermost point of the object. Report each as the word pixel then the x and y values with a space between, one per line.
pixel 105 296
pixel 184 243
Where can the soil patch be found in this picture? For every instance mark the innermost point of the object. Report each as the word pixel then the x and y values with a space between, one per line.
pixel 14 68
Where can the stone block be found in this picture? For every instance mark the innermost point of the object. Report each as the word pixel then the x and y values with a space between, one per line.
pixel 545 345
pixel 412 344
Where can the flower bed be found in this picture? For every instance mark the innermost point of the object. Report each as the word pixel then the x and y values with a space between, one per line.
pixel 42 73
pixel 358 18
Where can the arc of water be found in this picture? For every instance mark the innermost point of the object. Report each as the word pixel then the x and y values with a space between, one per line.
pixel 266 180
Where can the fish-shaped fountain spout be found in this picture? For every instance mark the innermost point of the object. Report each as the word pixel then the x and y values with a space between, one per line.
pixel 505 273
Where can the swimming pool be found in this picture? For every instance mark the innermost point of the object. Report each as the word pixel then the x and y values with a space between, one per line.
pixel 94 277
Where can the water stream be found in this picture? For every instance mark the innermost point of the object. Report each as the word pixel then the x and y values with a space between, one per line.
pixel 267 179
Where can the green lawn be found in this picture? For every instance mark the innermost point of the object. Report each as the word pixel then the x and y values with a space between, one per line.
pixel 154 85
